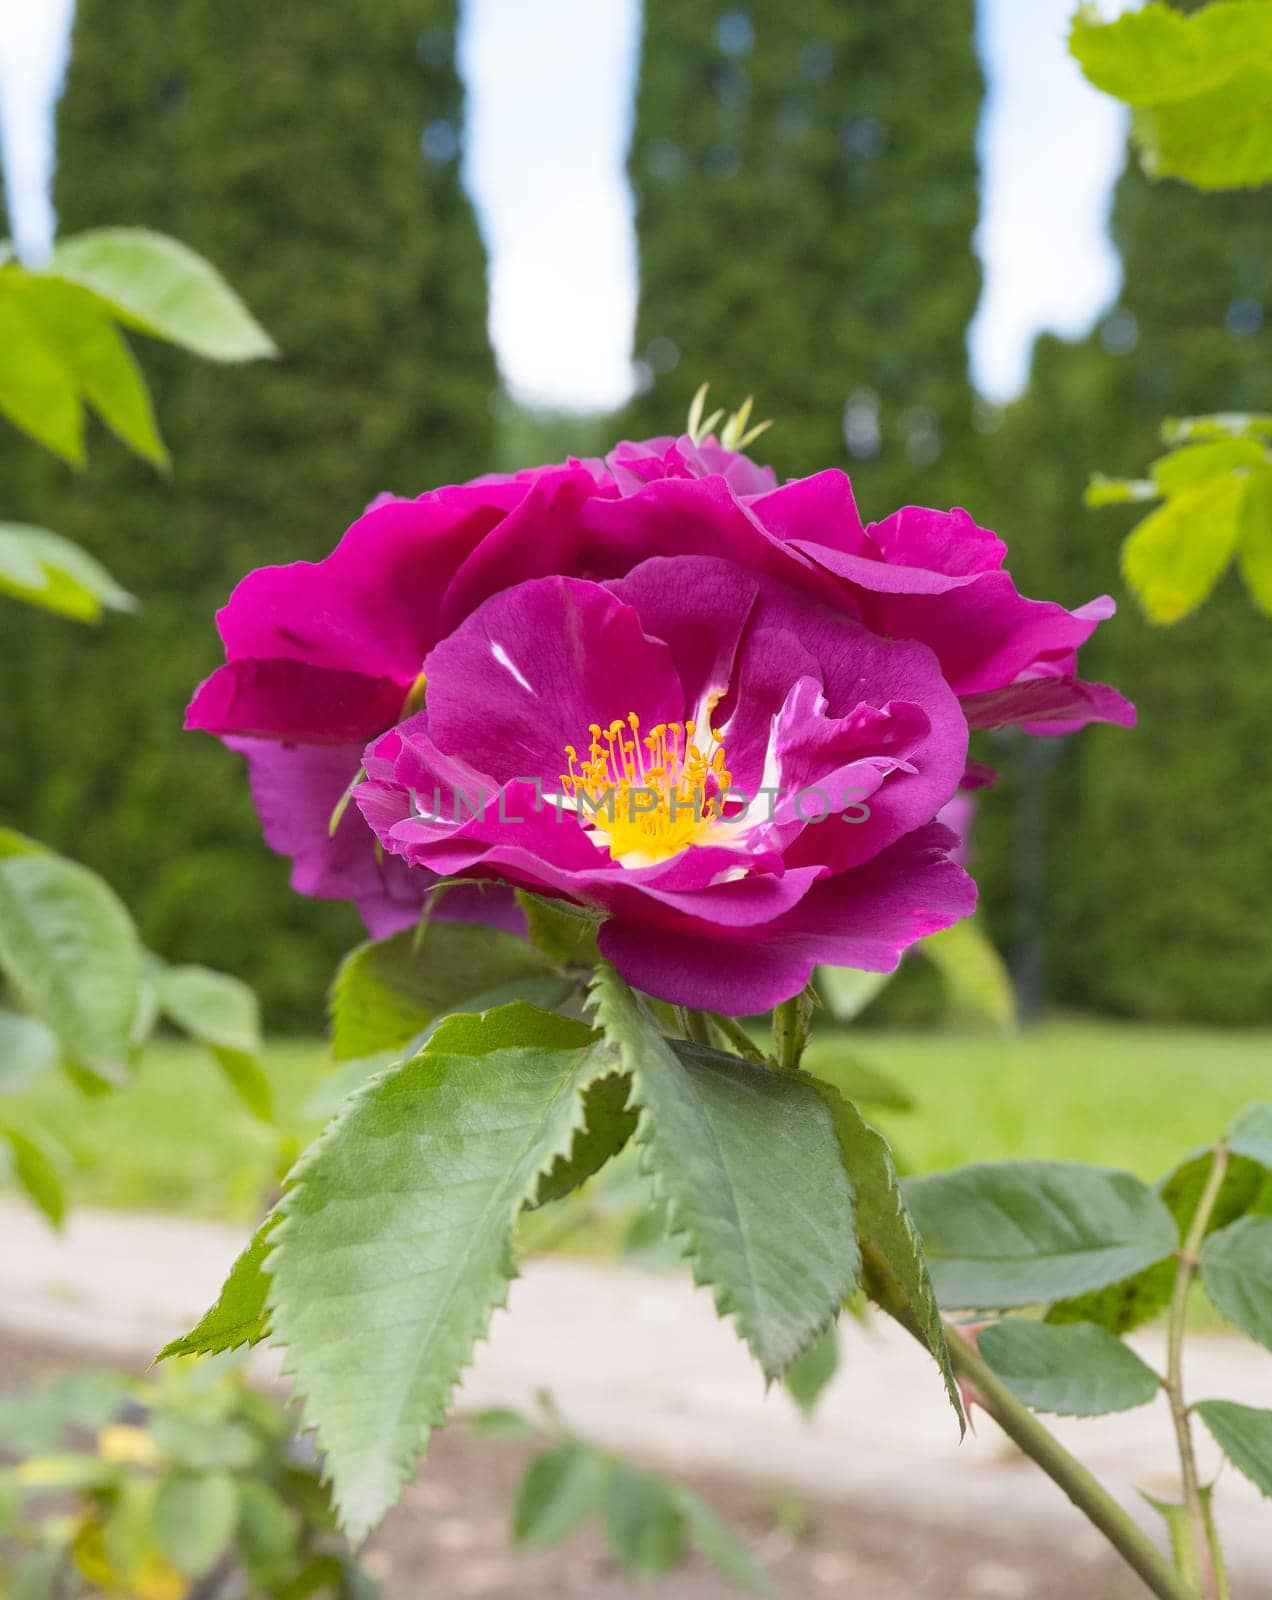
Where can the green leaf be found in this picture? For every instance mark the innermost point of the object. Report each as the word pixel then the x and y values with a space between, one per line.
pixel 1251 1134
pixel 194 1519
pixel 1200 83
pixel 163 288
pixel 721 1546
pixel 559 1490
pixel 499 1422
pixel 28 1049
pixel 394 1246
pixel 33 1422
pixel 77 327
pixel 239 1316
pixel 849 991
pixel 565 934
pixel 1244 1434
pixel 1219 425
pixel 809 1373
pixel 644 1521
pixel 1200 463
pixel 607 1126
pixel 748 1164
pixel 37 389
pixel 1254 552
pixel 36 1171
pixel 266 1531
pixel 1077 1370
pixel 973 971
pixel 388 990
pixel 70 950
pixel 196 1442
pixel 34 1577
pixel 221 1013
pixel 1103 491
pixel 46 570
pixel 1136 1300
pixel 1019 1233
pixel 1174 558
pixel 1236 1272
pixel 895 1271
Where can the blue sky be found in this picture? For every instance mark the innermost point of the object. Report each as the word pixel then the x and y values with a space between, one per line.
pixel 550 87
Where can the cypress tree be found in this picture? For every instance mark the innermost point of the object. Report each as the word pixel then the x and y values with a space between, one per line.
pixel 1159 865
pixel 806 186
pixel 311 152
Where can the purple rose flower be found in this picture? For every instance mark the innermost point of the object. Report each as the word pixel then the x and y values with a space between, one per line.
pixel 738 778
pixel 322 658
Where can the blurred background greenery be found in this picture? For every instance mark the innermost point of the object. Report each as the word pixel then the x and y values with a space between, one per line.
pixel 807 190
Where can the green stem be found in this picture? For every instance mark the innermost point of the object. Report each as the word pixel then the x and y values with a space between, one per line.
pixel 790 1031
pixel 1209 1562
pixel 696 1025
pixel 737 1036
pixel 1087 1493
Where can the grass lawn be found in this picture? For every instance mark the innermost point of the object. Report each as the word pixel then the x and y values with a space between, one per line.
pixel 178 1140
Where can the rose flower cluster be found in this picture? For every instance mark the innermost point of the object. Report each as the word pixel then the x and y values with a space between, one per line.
pixel 720 713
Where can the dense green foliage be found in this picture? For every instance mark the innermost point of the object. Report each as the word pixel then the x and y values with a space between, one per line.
pixel 1158 869
pixel 807 188
pixel 283 143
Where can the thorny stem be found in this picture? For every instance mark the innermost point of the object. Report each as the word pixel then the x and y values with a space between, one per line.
pixel 1045 1450
pixel 1209 1562
pixel 737 1036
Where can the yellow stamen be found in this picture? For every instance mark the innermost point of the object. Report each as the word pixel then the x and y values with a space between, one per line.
pixel 650 797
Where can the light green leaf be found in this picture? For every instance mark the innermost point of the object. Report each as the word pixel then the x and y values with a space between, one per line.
pixel 1019 1233
pixel 748 1164
pixel 1200 84
pixel 28 1049
pixel 388 990
pixel 47 570
pixel 239 1316
pixel 37 389
pixel 393 1246
pixel 1254 552
pixel 162 287
pixel 35 1575
pixel 1103 491
pixel 559 1490
pixel 895 1270
pixel 809 1373
pixel 644 1521
pixel 35 1169
pixel 1218 425
pixel 13 843
pixel 721 1545
pixel 849 991
pixel 267 1531
pixel 194 1519
pixel 221 1012
pixel 1251 1134
pixel 1174 558
pixel 70 950
pixel 32 1422
pixel 1077 1370
pixel 1158 54
pixel 973 971
pixel 1244 1434
pixel 1202 462
pixel 1236 1272
pixel 1221 139
pixel 77 327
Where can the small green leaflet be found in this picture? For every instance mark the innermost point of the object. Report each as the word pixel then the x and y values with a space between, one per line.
pixel 1236 1272
pixel 1075 1370
pixel 44 569
pixel 1244 1434
pixel 239 1315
